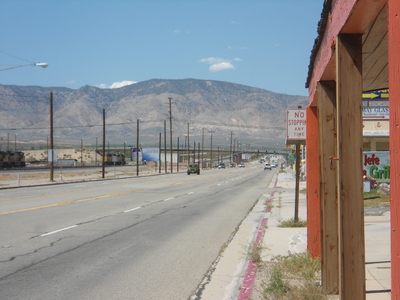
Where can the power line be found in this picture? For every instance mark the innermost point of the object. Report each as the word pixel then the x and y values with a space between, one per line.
pixel 152 121
pixel 15 56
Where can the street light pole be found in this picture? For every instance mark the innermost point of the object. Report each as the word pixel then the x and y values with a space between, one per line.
pixel 43 65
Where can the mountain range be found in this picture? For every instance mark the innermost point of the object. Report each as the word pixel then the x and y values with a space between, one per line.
pixel 249 116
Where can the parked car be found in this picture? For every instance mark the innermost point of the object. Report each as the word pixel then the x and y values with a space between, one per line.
pixel 273 165
pixel 221 166
pixel 232 165
pixel 193 168
pixel 241 165
pixel 267 167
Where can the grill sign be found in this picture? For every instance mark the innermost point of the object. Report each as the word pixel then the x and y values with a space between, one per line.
pixel 296 124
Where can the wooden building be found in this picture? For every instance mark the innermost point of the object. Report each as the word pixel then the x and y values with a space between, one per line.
pixel 357 51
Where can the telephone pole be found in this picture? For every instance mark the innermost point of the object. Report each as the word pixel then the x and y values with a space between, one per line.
pixel 170 129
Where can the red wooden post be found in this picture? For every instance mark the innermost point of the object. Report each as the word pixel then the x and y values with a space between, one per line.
pixel 313 185
pixel 394 139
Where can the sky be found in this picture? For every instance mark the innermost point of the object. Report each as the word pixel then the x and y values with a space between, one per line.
pixel 259 43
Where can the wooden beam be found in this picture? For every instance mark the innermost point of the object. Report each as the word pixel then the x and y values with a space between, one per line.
pixel 313 184
pixel 394 104
pixel 350 171
pixel 326 92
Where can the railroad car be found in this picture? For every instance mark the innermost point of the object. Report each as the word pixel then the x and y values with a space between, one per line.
pixel 10 159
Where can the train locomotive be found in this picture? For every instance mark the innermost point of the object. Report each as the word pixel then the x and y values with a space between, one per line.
pixel 11 159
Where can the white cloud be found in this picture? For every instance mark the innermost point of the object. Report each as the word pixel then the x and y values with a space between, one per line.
pixel 119 84
pixel 116 85
pixel 219 64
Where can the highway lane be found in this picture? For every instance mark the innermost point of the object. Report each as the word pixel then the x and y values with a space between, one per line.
pixel 138 238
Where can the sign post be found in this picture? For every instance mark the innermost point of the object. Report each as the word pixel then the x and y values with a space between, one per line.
pixel 296 134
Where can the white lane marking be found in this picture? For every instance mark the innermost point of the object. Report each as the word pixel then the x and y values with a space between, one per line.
pixel 190 193
pixel 219 184
pixel 66 228
pixel 132 209
pixel 169 199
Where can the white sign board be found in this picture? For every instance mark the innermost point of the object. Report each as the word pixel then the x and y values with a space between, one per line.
pixel 296 124
pixel 52 155
pixel 151 154
pixel 377 113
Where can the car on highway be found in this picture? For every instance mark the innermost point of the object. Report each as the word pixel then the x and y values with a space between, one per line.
pixel 241 165
pixel 267 166
pixel 232 165
pixel 221 166
pixel 193 168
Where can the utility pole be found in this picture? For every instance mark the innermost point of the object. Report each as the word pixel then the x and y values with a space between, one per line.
pixel 137 148
pixel 51 138
pixel 159 155
pixel 230 150
pixel 188 144
pixel 104 145
pixel 165 146
pixel 96 153
pixel 177 157
pixel 202 149
pixel 81 151
pixel 170 128
pixel 194 151
pixel 211 154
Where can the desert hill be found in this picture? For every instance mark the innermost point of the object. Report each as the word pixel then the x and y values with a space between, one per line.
pixel 252 116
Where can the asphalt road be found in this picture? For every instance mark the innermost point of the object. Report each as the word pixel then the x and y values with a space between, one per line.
pixel 149 237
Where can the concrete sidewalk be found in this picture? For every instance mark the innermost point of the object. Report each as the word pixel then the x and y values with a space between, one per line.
pixel 233 276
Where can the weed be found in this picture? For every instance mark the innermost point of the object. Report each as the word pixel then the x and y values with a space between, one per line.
pixel 277 286
pixel 255 254
pixel 292 223
pixel 294 277
pixel 269 206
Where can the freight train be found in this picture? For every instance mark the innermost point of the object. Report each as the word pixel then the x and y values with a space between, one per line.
pixel 10 159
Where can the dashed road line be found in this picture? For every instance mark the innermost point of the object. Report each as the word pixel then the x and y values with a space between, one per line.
pixel 56 231
pixel 132 209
